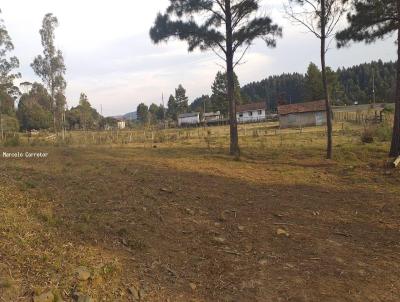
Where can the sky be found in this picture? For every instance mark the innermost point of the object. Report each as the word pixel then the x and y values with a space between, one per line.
pixel 110 57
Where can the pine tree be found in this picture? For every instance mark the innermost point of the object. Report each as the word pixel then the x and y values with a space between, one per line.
pixel 369 21
pixel 172 111
pixel 143 113
pixel 181 100
pixel 314 87
pixel 227 27
pixel 201 104
pixel 153 113
pixel 219 97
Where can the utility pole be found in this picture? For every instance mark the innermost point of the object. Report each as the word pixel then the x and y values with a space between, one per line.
pixel 373 87
pixel 162 100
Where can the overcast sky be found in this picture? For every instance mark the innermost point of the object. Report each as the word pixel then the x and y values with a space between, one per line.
pixel 109 55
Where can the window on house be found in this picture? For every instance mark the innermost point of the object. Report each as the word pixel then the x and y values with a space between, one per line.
pixel 240 114
pixel 250 113
pixel 259 112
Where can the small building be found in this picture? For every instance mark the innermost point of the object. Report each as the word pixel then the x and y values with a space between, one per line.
pixel 189 119
pixel 121 124
pixel 302 114
pixel 253 112
pixel 212 117
pixel 33 132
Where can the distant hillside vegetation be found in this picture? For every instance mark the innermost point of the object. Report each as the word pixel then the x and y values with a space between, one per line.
pixel 130 116
pixel 348 85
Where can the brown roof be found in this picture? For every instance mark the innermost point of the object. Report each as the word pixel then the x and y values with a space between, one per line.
pixel 302 107
pixel 250 107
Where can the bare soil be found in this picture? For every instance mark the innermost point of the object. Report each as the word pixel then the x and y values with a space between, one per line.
pixel 186 224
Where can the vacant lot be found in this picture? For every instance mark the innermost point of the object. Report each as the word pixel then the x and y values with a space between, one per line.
pixel 182 221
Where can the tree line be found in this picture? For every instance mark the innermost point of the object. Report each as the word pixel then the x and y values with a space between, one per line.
pixel 41 105
pixel 362 84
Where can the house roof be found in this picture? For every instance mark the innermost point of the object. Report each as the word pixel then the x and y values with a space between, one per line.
pixel 207 114
pixel 192 114
pixel 251 107
pixel 302 107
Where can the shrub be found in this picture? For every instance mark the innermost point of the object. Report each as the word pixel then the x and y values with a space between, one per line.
pixel 384 132
pixel 388 109
pixel 367 136
pixel 12 141
pixel 160 137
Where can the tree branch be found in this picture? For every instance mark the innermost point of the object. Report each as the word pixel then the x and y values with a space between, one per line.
pixel 242 55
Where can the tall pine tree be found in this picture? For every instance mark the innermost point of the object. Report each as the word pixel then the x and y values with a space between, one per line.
pixel 369 21
pixel 224 26
pixel 181 100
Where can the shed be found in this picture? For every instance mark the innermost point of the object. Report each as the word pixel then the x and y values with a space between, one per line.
pixel 302 114
pixel 252 112
pixel 212 116
pixel 189 119
pixel 121 124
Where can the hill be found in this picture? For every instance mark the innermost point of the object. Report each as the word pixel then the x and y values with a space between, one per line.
pixel 353 84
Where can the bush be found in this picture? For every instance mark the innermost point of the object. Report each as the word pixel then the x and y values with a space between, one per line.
pixel 12 141
pixel 367 136
pixel 388 109
pixel 10 124
pixel 384 132
pixel 160 137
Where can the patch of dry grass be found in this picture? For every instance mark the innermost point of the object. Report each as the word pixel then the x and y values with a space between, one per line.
pixel 136 215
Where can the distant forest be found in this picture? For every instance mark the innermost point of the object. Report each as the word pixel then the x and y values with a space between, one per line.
pixel 348 85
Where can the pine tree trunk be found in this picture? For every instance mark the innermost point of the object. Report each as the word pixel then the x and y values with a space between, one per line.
pixel 325 82
pixel 234 145
pixel 395 146
pixel 1 125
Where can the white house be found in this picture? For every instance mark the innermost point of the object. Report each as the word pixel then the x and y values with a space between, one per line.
pixel 189 119
pixel 121 124
pixel 253 112
pixel 210 117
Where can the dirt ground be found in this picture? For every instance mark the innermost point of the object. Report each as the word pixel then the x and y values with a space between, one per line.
pixel 183 223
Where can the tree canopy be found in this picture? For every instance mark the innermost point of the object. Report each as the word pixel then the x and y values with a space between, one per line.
pixel 369 20
pixel 223 26
pixel 347 85
pixel 219 89
pixel 50 66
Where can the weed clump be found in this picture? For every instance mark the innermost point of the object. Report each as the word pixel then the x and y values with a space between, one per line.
pixel 367 136
pixel 12 141
pixel 382 133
